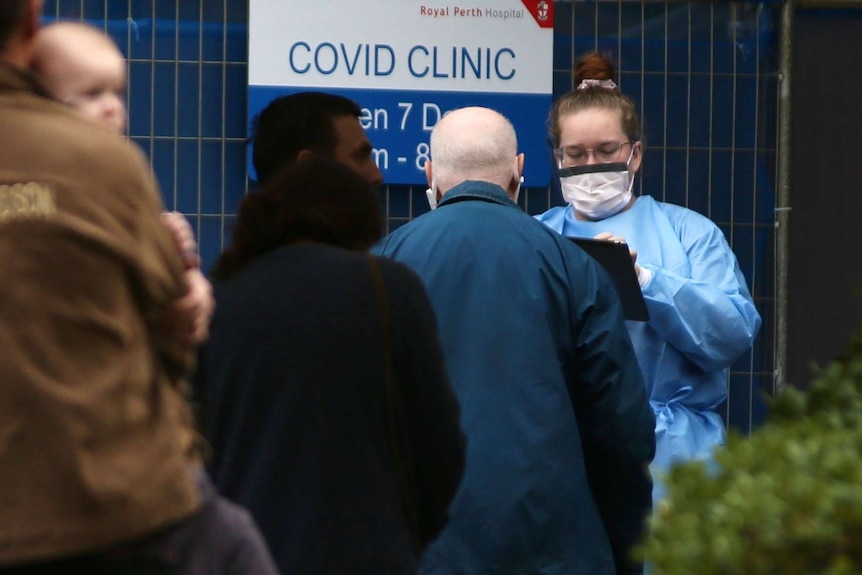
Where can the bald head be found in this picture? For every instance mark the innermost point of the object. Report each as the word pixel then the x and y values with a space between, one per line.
pixel 83 67
pixel 474 144
pixel 59 37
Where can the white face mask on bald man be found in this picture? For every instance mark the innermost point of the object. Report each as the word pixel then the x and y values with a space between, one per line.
pixel 431 192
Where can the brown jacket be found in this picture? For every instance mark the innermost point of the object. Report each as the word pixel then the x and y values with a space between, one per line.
pixel 91 428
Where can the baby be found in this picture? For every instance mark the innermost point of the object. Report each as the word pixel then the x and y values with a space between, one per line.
pixel 84 69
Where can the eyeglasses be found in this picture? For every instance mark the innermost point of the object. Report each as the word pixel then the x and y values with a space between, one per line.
pixel 605 153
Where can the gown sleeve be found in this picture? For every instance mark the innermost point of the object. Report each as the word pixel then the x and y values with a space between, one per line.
pixel 710 317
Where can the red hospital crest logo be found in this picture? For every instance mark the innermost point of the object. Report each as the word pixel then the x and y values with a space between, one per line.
pixel 542 12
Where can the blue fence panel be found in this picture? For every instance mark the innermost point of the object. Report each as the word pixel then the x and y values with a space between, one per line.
pixel 703 75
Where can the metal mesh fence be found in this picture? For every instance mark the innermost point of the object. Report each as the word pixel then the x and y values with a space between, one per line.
pixel 703 74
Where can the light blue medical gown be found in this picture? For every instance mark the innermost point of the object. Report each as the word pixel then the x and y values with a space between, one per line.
pixel 702 318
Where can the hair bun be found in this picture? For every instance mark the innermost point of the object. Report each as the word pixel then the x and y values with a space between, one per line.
pixel 594 66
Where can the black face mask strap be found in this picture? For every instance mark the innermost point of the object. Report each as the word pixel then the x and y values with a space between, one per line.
pixel 593 168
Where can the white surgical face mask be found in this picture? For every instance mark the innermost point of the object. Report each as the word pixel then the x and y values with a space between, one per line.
pixel 597 191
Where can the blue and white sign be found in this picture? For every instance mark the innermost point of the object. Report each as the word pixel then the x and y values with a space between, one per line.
pixel 406 63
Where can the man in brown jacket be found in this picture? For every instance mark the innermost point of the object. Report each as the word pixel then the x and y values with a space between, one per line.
pixel 95 332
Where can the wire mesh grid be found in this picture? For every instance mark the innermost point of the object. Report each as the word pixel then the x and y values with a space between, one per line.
pixel 187 70
pixel 703 74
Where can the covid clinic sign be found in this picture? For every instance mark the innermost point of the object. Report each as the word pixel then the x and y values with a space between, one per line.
pixel 406 63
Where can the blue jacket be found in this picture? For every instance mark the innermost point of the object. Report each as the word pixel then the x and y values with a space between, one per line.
pixel 559 429
pixel 702 318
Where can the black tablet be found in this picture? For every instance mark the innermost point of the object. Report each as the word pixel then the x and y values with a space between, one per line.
pixel 615 258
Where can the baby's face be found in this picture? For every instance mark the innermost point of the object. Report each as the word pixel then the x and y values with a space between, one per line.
pixel 94 84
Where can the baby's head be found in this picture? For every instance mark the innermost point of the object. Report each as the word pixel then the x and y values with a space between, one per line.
pixel 83 67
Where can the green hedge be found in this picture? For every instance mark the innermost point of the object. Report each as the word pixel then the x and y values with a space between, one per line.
pixel 785 500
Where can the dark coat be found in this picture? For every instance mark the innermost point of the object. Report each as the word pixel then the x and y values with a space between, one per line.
pixel 558 425
pixel 92 428
pixel 292 385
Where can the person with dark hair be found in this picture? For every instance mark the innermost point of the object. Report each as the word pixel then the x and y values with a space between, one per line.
pixel 329 211
pixel 330 414
pixel 559 431
pixel 702 316
pixel 295 126
pixel 98 328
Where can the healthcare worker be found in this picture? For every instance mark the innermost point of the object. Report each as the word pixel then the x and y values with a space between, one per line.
pixel 702 316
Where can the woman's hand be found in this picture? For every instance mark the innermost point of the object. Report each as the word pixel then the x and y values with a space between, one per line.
pixel 644 275
pixel 608 236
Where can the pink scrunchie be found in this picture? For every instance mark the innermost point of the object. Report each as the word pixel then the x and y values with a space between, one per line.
pixel 589 83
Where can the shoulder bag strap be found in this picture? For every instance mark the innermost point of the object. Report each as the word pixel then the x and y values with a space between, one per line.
pixel 395 446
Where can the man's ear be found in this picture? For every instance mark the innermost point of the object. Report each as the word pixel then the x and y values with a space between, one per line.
pixel 304 155
pixel 517 176
pixel 428 174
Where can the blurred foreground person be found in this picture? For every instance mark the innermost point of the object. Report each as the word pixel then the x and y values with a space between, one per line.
pixel 98 326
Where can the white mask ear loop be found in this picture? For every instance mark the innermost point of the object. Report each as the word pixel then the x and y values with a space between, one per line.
pixel 520 181
pixel 632 176
pixel 432 195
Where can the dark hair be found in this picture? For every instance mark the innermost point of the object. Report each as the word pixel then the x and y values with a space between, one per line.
pixel 314 200
pixel 290 124
pixel 11 15
pixel 594 66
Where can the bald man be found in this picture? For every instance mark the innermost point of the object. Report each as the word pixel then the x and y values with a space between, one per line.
pixel 83 67
pixel 559 429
